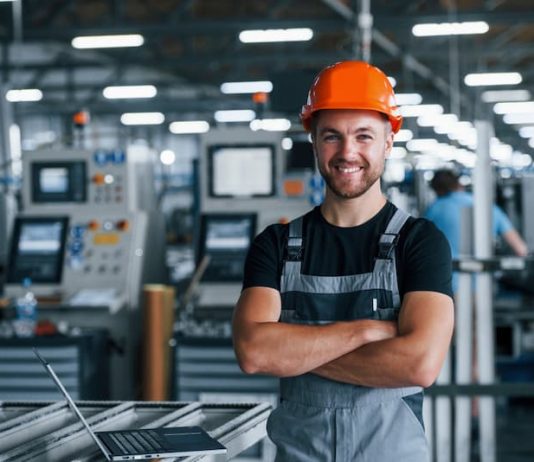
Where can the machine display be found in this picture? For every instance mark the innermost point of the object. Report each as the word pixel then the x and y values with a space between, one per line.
pixel 225 238
pixel 38 249
pixel 59 182
pixel 241 171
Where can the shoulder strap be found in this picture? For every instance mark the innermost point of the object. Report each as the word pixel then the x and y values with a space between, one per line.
pixel 388 240
pixel 294 241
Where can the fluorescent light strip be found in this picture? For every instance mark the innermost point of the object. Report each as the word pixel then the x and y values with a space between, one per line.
pixel 526 132
pixel 417 110
pixel 189 127
pixel 142 118
pixel 450 28
pixel 397 153
pixel 271 125
pixel 108 41
pixel 130 91
pixel 513 119
pixel 531 142
pixel 24 95
pixel 523 107
pixel 495 96
pixel 237 115
pixel 276 35
pixel 493 78
pixel 403 135
pixel 403 99
pixel 422 144
pixel 393 82
pixel 232 88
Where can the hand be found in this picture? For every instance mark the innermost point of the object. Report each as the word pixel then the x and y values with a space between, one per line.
pixel 381 330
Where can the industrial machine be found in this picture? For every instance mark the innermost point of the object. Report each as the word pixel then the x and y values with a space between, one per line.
pixel 82 239
pixel 246 181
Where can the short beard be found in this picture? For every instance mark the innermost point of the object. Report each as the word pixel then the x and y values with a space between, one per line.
pixel 359 190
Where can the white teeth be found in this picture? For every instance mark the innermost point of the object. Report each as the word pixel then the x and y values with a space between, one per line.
pixel 350 170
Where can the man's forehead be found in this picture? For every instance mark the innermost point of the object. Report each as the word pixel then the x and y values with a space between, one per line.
pixel 358 117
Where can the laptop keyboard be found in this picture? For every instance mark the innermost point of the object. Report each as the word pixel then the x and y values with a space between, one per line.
pixel 137 443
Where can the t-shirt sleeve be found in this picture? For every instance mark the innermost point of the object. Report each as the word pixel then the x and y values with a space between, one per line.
pixel 263 262
pixel 427 263
pixel 501 222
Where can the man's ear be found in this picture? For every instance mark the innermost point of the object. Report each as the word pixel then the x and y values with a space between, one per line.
pixel 388 144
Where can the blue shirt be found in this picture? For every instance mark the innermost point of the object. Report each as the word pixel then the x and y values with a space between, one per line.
pixel 446 213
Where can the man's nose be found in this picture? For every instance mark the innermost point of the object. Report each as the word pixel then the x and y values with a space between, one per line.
pixel 349 148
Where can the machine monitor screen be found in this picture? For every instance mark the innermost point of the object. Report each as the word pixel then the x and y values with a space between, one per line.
pixel 226 238
pixel 59 182
pixel 37 249
pixel 241 171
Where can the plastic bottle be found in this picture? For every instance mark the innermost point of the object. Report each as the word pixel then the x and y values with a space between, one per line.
pixel 26 312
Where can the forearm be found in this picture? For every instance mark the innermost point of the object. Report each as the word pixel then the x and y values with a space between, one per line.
pixel 283 349
pixel 414 357
pixel 388 363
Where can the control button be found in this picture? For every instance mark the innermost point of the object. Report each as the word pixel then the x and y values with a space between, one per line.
pixel 108 225
pixel 99 179
pixel 118 199
pixel 88 253
pixel 87 269
pixel 108 179
pixel 116 269
pixel 100 157
pixel 93 225
pixel 123 225
pixel 102 269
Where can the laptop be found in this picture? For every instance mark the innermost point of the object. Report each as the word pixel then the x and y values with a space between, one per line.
pixel 146 443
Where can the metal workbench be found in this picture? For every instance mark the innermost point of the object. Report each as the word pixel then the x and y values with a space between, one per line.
pixel 49 431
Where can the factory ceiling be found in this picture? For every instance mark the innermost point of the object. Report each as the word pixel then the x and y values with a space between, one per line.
pixel 191 47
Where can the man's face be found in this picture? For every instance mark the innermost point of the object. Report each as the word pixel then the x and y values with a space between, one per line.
pixel 351 147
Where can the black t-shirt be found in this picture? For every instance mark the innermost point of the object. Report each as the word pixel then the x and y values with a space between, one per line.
pixel 423 254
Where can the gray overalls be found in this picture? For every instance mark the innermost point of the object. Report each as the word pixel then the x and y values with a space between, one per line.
pixel 324 420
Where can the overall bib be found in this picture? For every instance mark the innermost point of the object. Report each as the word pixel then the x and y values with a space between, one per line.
pixel 323 420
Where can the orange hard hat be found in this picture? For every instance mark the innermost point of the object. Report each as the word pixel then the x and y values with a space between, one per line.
pixel 352 85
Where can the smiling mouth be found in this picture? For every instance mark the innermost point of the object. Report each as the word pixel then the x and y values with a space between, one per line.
pixel 349 169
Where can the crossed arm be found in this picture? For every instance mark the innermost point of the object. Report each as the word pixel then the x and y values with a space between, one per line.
pixel 364 352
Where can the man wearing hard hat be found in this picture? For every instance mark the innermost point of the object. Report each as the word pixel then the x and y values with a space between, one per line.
pixel 351 304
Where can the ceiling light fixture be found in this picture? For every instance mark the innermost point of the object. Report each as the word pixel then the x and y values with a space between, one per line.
pixel 420 110
pixel 493 78
pixel 526 132
pixel 393 82
pixel 235 115
pixel 403 99
pixel 231 88
pixel 24 95
pixel 450 28
pixel 276 35
pixel 108 41
pixel 189 127
pixel 523 107
pixel 142 118
pixel 517 119
pixel 271 125
pixel 130 91
pixel 403 135
pixel 495 96
pixel 422 144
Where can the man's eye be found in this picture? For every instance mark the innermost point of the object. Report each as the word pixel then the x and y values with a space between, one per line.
pixel 330 138
pixel 365 137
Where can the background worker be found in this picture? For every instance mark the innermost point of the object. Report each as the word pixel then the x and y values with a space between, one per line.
pixel 446 213
pixel 350 305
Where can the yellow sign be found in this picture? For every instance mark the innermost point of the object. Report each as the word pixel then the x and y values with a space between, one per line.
pixel 106 239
